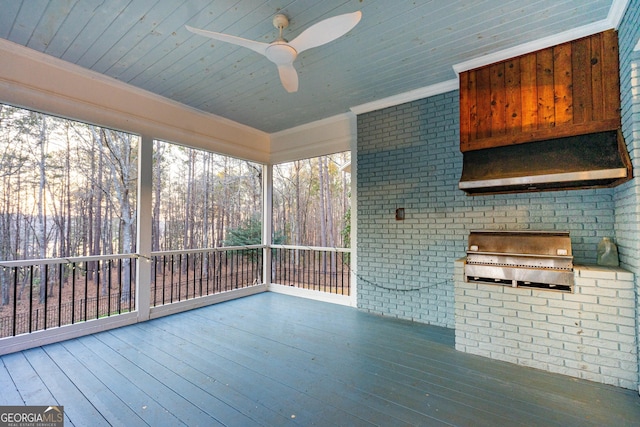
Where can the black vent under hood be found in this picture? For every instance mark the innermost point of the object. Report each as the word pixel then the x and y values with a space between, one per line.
pixel 585 161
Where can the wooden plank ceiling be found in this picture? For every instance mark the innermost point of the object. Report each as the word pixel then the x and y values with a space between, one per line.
pixel 397 47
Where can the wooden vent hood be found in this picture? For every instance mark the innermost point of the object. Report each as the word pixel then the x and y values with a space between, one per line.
pixel 547 120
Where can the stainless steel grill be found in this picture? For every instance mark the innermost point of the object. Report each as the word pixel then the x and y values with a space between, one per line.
pixel 538 259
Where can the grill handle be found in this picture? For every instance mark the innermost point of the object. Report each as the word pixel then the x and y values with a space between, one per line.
pixel 565 257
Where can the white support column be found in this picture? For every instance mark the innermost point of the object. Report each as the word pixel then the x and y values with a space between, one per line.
pixel 143 270
pixel 267 221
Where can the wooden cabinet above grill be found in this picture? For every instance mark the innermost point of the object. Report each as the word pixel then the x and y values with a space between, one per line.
pixel 566 90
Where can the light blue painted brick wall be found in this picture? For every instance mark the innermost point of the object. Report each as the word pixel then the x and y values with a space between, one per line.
pixel 627 196
pixel 408 156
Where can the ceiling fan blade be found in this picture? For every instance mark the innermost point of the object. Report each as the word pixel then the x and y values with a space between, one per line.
pixel 259 47
pixel 288 77
pixel 325 31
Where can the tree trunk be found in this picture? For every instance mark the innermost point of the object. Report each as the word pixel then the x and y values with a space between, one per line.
pixel 323 218
pixel 329 205
pixel 65 202
pixel 157 188
pixel 41 202
pixel 122 171
pixel 322 196
pixel 187 204
pixel 90 206
pixel 206 183
pixel 5 241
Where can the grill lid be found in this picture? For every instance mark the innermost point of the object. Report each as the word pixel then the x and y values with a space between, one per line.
pixel 537 243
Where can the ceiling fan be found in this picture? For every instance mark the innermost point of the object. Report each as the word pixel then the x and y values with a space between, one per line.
pixel 283 53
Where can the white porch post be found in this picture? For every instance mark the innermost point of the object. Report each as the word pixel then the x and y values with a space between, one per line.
pixel 143 269
pixel 267 221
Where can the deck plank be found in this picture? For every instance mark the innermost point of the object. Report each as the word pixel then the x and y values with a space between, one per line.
pixel 122 382
pixel 10 395
pixel 111 406
pixel 32 389
pixel 81 412
pixel 273 359
pixel 173 372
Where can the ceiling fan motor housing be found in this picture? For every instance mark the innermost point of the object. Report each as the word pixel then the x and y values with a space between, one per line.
pixel 280 21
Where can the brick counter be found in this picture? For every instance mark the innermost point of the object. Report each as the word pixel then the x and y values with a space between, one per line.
pixel 588 334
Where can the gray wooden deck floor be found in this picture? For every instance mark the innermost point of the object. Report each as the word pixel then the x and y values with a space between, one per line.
pixel 272 360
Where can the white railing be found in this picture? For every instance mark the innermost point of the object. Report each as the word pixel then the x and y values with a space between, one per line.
pixel 83 295
pixel 183 275
pixel 42 294
pixel 312 267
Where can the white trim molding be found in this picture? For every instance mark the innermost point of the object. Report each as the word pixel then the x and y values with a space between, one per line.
pixel 616 12
pixel 314 295
pixel 402 98
pixel 190 304
pixel 62 333
pixel 319 138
